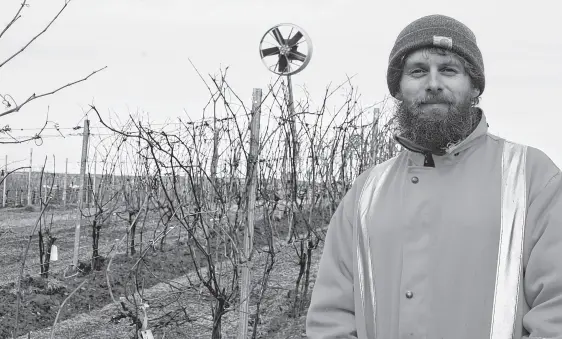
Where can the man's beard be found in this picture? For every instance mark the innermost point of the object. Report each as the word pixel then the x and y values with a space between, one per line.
pixel 436 131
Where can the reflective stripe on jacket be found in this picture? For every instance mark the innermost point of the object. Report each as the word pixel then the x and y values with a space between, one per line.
pixel 438 252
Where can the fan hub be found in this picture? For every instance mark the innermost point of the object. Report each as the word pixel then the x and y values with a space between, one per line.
pixel 284 49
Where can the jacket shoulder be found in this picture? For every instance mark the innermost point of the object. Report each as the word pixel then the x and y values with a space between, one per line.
pixel 538 162
pixel 539 168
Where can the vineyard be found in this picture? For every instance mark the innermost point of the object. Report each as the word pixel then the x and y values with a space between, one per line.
pixel 193 228
pixel 224 217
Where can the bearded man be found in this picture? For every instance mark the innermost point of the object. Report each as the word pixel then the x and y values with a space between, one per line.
pixel 460 235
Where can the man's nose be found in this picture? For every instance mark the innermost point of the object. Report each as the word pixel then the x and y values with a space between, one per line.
pixel 434 84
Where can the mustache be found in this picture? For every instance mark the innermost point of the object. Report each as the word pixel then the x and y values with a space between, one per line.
pixel 439 99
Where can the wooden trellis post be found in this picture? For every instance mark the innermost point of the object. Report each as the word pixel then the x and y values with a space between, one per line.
pixel 83 181
pixel 64 184
pixel 94 192
pixel 5 179
pixel 29 201
pixel 251 181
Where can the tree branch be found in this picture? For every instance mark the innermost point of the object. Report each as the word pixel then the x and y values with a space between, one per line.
pixel 14 19
pixel 6 129
pixel 35 37
pixel 12 171
pixel 33 96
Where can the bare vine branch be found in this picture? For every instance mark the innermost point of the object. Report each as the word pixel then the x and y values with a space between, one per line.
pixel 34 96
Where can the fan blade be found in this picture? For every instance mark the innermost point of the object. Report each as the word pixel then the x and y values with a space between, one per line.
pixel 295 39
pixel 277 35
pixel 269 51
pixel 296 55
pixel 283 63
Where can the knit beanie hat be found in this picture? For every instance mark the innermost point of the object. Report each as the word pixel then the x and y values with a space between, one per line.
pixel 434 31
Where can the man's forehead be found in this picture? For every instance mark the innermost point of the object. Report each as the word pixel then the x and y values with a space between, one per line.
pixel 426 56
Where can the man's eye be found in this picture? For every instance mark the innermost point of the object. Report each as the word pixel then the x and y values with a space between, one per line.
pixel 449 70
pixel 417 71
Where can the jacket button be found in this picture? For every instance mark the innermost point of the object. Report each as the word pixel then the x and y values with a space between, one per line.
pixel 415 180
pixel 409 294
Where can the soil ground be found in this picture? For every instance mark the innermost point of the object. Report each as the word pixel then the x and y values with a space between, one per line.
pixel 275 323
pixel 42 297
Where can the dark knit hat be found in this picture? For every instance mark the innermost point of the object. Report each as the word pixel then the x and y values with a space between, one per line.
pixel 434 31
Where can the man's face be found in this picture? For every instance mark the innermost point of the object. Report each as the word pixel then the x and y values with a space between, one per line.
pixel 435 97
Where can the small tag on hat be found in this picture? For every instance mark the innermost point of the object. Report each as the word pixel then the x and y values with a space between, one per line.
pixel 443 42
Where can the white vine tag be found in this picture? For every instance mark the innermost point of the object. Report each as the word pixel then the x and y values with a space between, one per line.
pixel 54 253
pixel 146 334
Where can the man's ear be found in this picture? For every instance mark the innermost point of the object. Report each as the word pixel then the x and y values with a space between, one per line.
pixel 399 96
pixel 475 92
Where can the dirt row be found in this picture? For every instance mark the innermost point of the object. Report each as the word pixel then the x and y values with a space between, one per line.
pixel 275 323
pixel 42 297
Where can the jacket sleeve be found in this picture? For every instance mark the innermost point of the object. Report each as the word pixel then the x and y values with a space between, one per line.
pixel 543 275
pixel 331 310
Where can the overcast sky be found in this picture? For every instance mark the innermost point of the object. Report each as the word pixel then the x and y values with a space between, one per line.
pixel 146 45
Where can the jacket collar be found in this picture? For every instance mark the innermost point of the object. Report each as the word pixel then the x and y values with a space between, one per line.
pixel 480 130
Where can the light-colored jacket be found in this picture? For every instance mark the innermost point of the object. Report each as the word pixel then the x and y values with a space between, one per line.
pixel 432 235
